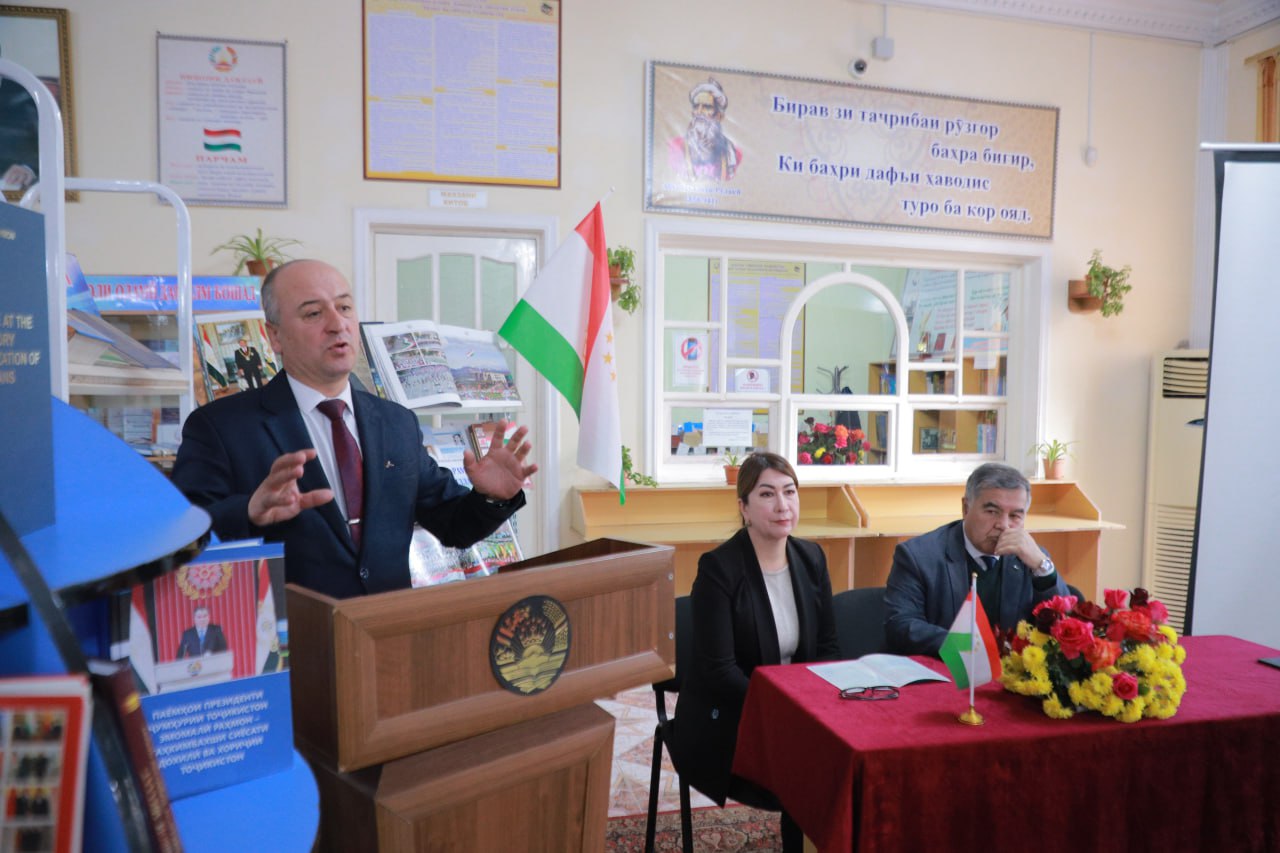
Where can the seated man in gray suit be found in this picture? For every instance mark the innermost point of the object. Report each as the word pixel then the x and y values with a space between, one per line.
pixel 930 575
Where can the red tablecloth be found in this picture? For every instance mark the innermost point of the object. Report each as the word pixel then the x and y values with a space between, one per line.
pixel 904 775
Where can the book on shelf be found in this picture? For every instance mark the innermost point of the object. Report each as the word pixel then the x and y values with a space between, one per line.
pixel 115 685
pixel 363 369
pixel 208 646
pixel 430 561
pixel 422 364
pixel 233 352
pixel 44 744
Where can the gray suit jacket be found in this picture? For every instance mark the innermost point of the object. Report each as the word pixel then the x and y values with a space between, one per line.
pixel 929 581
pixel 228 447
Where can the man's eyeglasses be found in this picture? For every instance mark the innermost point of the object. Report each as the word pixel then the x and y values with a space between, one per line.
pixel 869 694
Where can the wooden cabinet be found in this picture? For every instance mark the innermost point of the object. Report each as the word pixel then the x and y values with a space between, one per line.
pixel 857 526
pixel 694 520
pixel 941 430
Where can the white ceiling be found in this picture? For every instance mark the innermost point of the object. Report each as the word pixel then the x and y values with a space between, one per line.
pixel 1207 22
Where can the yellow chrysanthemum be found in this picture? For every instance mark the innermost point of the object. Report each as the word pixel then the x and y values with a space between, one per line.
pixel 1038 638
pixel 1132 711
pixel 1180 654
pixel 1032 657
pixel 1055 709
pixel 1112 705
pixel 1024 630
pixel 1168 633
pixel 1145 656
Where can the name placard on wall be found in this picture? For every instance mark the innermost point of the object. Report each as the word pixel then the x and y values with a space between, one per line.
pixel 736 143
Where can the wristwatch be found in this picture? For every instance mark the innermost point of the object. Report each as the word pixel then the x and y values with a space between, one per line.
pixel 1046 568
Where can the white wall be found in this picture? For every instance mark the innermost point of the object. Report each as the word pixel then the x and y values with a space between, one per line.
pixel 1135 204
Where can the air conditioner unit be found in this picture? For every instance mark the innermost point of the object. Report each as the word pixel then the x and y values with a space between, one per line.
pixel 1179 382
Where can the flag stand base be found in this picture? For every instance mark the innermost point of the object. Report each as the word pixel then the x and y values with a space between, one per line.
pixel 971 717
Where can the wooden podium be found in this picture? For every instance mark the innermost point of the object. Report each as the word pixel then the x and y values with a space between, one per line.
pixel 415 743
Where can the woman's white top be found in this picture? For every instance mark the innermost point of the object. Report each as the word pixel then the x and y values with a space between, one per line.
pixel 782 598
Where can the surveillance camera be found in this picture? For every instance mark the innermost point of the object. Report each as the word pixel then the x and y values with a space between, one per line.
pixel 858 67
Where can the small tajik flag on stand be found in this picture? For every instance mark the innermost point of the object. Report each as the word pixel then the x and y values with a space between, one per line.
pixel 969 650
pixel 564 328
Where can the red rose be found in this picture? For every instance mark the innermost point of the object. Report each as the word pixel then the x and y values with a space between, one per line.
pixel 1046 619
pixel 805 459
pixel 1018 644
pixel 1139 597
pixel 827 460
pixel 1125 686
pixel 803 438
pixel 1157 612
pixel 1102 653
pixel 857 435
pixel 1091 612
pixel 1061 603
pixel 1073 636
pixel 822 429
pixel 1115 598
pixel 1131 624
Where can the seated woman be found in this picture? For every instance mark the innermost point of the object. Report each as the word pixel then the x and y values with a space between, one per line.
pixel 762 597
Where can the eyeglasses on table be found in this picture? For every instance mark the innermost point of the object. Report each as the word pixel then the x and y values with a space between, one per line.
pixel 869 694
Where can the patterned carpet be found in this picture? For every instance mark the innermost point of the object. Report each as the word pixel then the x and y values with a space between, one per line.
pixel 729 830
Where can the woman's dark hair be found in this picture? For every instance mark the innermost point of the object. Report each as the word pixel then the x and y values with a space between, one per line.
pixel 755 465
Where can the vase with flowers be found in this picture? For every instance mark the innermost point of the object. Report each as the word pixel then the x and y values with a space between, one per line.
pixel 825 444
pixel 1121 661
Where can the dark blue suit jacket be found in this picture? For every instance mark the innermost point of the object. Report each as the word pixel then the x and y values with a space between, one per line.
pixel 227 450
pixel 929 581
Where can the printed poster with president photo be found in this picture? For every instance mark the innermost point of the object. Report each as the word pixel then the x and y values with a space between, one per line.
pixel 734 143
pixel 208 645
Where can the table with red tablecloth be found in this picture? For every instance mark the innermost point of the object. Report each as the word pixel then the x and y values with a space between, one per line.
pixel 904 774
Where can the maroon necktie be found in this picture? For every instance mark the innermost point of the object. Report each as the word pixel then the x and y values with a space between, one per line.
pixel 350 467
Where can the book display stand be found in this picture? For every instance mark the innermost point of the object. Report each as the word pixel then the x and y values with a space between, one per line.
pixel 410 704
pixel 83 515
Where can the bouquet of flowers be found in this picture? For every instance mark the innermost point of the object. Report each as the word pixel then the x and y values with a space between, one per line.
pixel 825 444
pixel 1079 656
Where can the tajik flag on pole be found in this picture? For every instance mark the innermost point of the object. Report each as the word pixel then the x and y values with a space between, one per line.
pixel 563 326
pixel 969 650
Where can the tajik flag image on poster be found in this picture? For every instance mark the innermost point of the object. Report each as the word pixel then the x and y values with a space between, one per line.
pixel 564 328
pixel 970 646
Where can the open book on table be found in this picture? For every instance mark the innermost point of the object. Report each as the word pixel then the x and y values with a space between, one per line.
pixel 423 364
pixel 875 671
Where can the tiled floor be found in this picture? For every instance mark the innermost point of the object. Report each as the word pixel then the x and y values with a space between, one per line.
pixel 633 756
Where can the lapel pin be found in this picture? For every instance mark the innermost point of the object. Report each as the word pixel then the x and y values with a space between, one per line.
pixel 390 464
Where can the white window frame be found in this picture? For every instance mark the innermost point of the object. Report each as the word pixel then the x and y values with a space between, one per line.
pixel 1027 263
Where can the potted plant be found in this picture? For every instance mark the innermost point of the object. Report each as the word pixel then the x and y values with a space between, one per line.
pixel 629 473
pixel 1054 453
pixel 258 253
pixel 622 265
pixel 1103 288
pixel 732 461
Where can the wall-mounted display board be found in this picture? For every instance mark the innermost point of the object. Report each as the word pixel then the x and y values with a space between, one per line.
pixel 221 111
pixel 737 143
pixel 463 91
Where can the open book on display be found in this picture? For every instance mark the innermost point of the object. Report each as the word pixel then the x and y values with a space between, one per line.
pixel 424 364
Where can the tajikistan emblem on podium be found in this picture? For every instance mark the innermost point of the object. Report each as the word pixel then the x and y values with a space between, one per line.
pixel 530 644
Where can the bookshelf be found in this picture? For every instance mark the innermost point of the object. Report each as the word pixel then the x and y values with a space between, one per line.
pixel 941 430
pixel 858 527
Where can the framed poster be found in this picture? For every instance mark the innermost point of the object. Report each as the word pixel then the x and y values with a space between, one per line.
pixel 36 39
pixel 463 92
pixel 221 121
pixel 743 144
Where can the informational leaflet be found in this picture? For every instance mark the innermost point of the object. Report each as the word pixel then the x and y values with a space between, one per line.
pixel 463 90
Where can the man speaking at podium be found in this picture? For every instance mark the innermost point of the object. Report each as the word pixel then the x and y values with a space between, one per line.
pixel 336 474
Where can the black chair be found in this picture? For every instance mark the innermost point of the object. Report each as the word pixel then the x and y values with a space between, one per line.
pixel 859 616
pixel 662 732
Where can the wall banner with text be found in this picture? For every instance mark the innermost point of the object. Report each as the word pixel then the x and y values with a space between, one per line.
pixel 741 144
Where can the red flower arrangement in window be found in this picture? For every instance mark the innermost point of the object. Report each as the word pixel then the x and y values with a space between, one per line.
pixel 825 444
